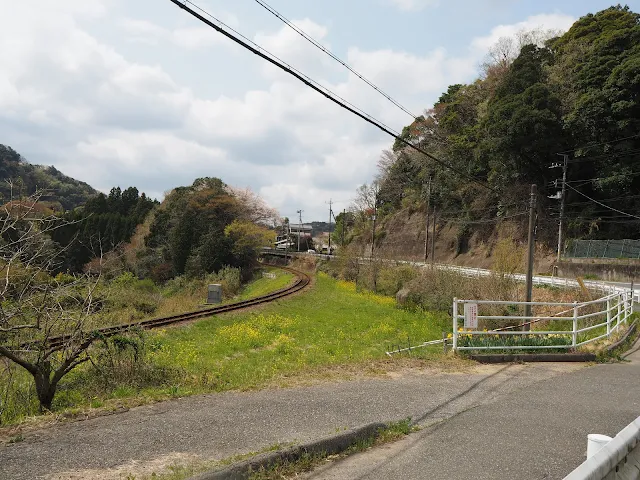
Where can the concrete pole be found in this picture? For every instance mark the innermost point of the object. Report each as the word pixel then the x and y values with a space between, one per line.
pixel 433 239
pixel 562 197
pixel 531 248
pixel 299 212
pixel 426 230
pixel 330 212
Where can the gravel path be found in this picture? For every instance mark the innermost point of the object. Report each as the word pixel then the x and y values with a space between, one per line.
pixel 217 426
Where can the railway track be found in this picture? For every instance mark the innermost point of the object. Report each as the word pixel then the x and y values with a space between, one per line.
pixel 300 283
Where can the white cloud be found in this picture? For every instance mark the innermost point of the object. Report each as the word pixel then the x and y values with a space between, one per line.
pixel 142 31
pixel 70 99
pixel 553 21
pixel 293 49
pixel 196 37
pixel 413 5
pixel 192 38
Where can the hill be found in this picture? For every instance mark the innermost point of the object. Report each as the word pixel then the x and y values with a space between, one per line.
pixel 542 101
pixel 62 192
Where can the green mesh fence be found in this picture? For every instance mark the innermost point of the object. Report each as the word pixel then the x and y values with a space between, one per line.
pixel 603 249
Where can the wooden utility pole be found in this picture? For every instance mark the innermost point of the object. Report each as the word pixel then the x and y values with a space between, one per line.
pixel 426 230
pixel 531 247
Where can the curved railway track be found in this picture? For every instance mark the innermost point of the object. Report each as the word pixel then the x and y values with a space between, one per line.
pixel 300 283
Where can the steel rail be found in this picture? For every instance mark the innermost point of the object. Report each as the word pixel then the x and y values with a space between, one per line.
pixel 300 283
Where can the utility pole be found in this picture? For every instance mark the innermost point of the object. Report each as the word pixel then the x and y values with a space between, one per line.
pixel 562 195
pixel 299 212
pixel 531 247
pixel 344 220
pixel 330 213
pixel 433 239
pixel 373 231
pixel 287 232
pixel 426 230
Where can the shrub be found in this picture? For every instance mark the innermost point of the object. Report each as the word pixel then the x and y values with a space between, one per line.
pixel 123 360
pixel 230 278
pixel 392 279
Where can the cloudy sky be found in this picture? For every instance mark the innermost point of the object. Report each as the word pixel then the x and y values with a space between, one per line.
pixel 116 92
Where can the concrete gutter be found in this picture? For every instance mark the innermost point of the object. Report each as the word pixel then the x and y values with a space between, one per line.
pixel 330 445
pixel 534 357
pixel 629 332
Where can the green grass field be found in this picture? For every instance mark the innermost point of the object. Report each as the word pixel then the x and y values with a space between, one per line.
pixel 264 285
pixel 328 328
pixel 331 324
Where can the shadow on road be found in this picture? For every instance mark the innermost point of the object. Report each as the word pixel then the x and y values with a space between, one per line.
pixel 431 412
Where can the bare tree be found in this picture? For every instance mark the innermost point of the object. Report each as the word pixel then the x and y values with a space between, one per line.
pixel 366 200
pixel 507 49
pixel 44 319
pixel 254 208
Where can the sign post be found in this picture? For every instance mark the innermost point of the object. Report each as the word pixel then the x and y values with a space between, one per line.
pixel 470 316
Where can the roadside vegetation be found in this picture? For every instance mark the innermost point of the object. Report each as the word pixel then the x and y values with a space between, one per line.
pixel 123 359
pixel 338 327
pixel 329 329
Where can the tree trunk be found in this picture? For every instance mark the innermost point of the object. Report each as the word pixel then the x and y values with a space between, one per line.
pixel 44 388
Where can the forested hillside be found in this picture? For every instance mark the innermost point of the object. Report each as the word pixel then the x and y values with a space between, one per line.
pixel 60 192
pixel 103 224
pixel 537 98
pixel 201 228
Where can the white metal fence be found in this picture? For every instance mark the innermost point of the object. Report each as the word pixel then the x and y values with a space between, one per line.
pixel 617 460
pixel 590 321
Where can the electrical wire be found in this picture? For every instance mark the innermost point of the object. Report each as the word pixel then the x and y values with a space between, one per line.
pixel 315 43
pixel 585 147
pixel 593 158
pixel 470 222
pixel 264 54
pixel 274 59
pixel 625 197
pixel 632 174
pixel 602 204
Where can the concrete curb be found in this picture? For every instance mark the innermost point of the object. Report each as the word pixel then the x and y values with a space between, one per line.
pixel 328 445
pixel 629 332
pixel 535 357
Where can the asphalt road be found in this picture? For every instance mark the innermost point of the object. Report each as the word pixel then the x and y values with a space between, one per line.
pixel 537 432
pixel 217 426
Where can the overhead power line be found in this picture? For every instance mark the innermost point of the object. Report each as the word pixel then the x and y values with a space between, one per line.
pixel 318 45
pixel 264 54
pixel 602 204
pixel 585 147
pixel 592 158
pixel 624 197
pixel 595 179
pixel 274 59
pixel 458 220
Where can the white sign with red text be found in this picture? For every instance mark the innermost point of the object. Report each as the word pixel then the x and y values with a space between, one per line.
pixel 470 316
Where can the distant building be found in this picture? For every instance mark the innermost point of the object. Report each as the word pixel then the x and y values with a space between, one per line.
pixel 288 237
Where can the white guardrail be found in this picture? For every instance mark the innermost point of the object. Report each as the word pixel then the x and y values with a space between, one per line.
pixel 617 460
pixel 606 313
pixel 619 306
pixel 615 309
